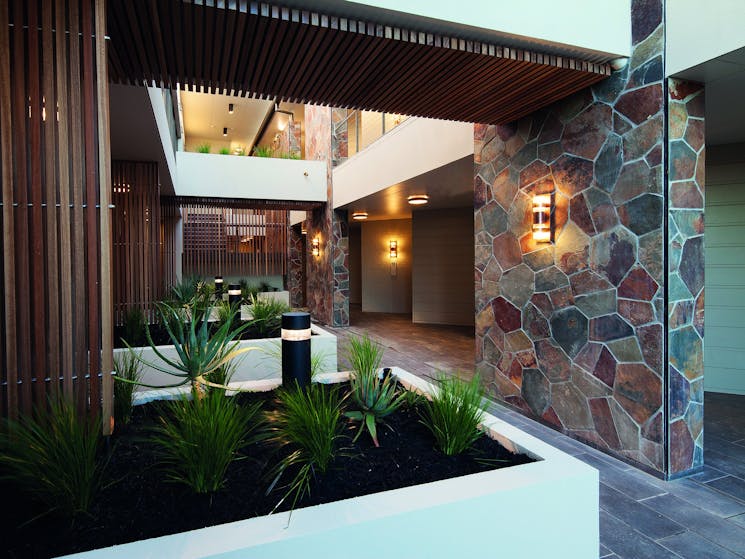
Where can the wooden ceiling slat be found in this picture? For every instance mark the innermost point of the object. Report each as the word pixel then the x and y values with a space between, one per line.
pixel 267 50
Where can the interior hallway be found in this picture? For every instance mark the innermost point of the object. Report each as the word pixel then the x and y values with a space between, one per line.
pixel 641 517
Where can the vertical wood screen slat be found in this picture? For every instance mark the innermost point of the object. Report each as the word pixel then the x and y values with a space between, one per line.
pixel 233 241
pixel 54 157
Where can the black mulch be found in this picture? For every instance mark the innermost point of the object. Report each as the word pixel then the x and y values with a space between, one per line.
pixel 139 503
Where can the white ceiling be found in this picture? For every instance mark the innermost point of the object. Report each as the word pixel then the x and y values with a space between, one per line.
pixel 206 114
pixel 449 186
pixel 725 110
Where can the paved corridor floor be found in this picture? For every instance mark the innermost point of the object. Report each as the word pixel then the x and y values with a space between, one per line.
pixel 641 517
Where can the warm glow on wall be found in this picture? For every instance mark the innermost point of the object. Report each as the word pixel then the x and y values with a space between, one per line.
pixel 316 246
pixel 393 247
pixel 542 218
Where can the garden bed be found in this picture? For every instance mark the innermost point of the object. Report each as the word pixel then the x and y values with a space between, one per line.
pixel 414 502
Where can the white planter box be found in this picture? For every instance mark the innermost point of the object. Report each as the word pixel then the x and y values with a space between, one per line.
pixel 548 508
pixel 259 364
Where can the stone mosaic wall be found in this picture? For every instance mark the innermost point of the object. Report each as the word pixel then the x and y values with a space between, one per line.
pixel 686 274
pixel 296 267
pixel 327 278
pixel 572 331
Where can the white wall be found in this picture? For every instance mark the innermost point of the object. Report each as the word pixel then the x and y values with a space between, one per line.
pixel 724 342
pixel 442 271
pixel 381 291
pixel 228 176
pixel 697 31
pixel 412 148
pixel 596 25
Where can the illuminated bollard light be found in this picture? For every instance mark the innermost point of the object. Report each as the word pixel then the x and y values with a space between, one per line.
pixel 296 349
pixel 218 287
pixel 234 294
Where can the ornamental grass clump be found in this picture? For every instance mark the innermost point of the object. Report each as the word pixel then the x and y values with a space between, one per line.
pixel 267 315
pixel 53 457
pixel 454 413
pixel 307 423
pixel 376 396
pixel 127 366
pixel 199 438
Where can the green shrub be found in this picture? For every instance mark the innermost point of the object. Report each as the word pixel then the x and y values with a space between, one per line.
pixel 199 438
pixel 52 457
pixel 248 291
pixel 308 425
pixel 376 397
pixel 224 151
pixel 204 148
pixel 267 315
pixel 192 290
pixel 134 326
pixel 263 151
pixel 454 413
pixel 127 366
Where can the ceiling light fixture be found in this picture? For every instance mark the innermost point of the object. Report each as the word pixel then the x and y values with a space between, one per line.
pixel 359 216
pixel 231 108
pixel 418 199
pixel 225 131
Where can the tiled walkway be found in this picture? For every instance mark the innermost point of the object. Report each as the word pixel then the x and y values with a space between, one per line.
pixel 641 516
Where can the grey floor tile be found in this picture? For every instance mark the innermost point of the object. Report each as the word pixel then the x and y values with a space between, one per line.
pixel 690 545
pixel 709 473
pixel 705 497
pixel 637 515
pixel 635 484
pixel 723 462
pixel 712 527
pixel 600 460
pixel 604 552
pixel 730 485
pixel 739 520
pixel 627 543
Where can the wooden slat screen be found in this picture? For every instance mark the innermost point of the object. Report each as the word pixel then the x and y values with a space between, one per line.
pixel 143 235
pixel 234 241
pixel 274 51
pixel 54 156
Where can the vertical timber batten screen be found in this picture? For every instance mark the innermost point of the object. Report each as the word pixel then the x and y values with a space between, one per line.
pixel 234 241
pixel 54 162
pixel 143 238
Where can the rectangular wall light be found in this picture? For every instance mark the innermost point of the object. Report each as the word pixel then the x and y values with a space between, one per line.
pixel 316 246
pixel 393 246
pixel 542 232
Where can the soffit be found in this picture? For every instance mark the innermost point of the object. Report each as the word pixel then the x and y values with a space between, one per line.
pixel 270 51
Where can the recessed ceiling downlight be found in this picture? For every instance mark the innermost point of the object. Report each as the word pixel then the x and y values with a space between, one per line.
pixel 418 199
pixel 359 216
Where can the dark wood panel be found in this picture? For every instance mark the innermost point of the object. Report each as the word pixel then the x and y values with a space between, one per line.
pixel 268 50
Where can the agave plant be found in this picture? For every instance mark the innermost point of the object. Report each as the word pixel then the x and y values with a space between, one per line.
pixel 201 351
pixel 376 396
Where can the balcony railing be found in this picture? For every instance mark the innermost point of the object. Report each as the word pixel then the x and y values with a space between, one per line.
pixel 353 131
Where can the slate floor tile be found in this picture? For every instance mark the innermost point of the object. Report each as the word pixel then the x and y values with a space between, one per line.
pixel 705 497
pixel 712 527
pixel 730 485
pixel 637 515
pixel 690 545
pixel 627 543
pixel 709 473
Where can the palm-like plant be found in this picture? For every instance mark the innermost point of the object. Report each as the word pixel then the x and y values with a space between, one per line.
pixel 201 351
pixel 375 396
pixel 454 412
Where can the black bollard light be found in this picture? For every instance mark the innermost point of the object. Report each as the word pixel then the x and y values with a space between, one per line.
pixel 218 288
pixel 296 349
pixel 234 294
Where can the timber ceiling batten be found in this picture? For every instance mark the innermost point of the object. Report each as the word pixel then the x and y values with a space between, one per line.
pixel 267 51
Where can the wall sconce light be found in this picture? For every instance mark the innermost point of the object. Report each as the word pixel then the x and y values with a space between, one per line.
pixel 316 246
pixel 542 218
pixel 393 246
pixel 393 254
pixel 359 216
pixel 231 108
pixel 225 131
